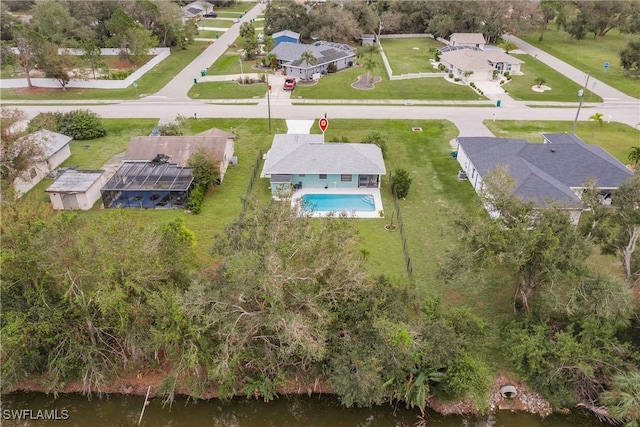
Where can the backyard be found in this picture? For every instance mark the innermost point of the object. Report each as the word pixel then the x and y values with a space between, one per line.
pixel 338 86
pixel 410 55
pixel 148 84
pixel 563 89
pixel 590 55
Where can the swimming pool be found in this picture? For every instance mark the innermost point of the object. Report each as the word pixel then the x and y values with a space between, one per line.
pixel 338 202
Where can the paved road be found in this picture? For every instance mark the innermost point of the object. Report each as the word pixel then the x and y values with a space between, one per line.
pixel 178 87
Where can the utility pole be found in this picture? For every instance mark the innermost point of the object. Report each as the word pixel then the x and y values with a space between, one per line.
pixel 581 95
pixel 268 99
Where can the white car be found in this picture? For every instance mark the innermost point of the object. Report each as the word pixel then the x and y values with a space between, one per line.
pixel 236 20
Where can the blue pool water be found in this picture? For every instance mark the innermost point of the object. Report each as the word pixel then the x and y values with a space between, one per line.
pixel 338 202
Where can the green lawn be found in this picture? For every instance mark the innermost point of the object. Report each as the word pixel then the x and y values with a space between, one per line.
pixel 209 34
pixel 229 64
pixel 236 9
pixel 226 90
pixel 9 72
pixel 616 138
pixel 410 55
pixel 562 88
pixel 148 84
pixel 590 55
pixel 338 86
pixel 217 23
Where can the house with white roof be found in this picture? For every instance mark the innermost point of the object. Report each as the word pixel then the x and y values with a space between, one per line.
pixel 289 55
pixel 55 150
pixel 470 64
pixel 302 161
pixel 286 36
pixel 555 172
pixel 467 39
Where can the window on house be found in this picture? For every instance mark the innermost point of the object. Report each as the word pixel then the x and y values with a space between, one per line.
pixel 33 173
pixel 346 178
pixel 302 174
pixel 323 176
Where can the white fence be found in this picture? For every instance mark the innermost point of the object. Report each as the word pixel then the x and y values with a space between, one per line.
pixel 415 76
pixel 160 53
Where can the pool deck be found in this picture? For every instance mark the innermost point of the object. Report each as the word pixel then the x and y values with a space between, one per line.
pixel 375 192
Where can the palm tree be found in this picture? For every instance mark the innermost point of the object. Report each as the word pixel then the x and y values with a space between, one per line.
pixel 634 155
pixel 597 117
pixel 507 45
pixel 623 400
pixel 308 57
pixel 539 81
pixel 369 63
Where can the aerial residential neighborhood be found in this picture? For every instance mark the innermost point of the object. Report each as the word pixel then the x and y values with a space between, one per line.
pixel 346 204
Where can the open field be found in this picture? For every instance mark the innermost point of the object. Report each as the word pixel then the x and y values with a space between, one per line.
pixel 148 84
pixel 562 88
pixel 616 138
pixel 590 55
pixel 410 55
pixel 338 86
pixel 227 90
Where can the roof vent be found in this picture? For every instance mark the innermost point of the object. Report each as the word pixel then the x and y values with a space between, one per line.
pixel 553 150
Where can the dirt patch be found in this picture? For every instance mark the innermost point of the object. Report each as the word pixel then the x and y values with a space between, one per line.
pixel 363 83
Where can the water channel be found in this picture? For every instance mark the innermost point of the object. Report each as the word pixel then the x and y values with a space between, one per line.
pixel 294 411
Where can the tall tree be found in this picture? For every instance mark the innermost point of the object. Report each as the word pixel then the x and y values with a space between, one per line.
pixel 507 45
pixel 634 155
pixel 19 153
pixel 630 57
pixel 369 64
pixel 57 63
pixel 54 21
pixel 600 16
pixel 549 10
pixel 286 15
pixel 92 56
pixel 29 44
pixel 308 58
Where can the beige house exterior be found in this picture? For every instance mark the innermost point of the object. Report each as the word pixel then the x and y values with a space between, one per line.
pixel 75 190
pixel 467 39
pixel 478 65
pixel 55 148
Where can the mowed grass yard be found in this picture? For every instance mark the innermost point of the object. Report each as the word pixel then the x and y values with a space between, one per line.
pixel 338 86
pixel 563 89
pixel 227 90
pixel 234 10
pixel 410 55
pixel 616 138
pixel 216 23
pixel 229 63
pixel 590 55
pixel 148 84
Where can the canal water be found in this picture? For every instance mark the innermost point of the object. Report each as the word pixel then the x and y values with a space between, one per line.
pixel 294 411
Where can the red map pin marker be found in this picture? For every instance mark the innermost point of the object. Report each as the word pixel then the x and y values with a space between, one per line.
pixel 324 124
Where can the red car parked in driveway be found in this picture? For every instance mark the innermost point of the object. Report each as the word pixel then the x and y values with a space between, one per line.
pixel 289 83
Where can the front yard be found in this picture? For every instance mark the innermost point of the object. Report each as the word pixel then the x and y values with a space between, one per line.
pixel 410 55
pixel 227 90
pixel 229 63
pixel 563 89
pixel 590 55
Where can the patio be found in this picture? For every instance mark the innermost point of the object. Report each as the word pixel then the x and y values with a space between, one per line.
pixel 296 200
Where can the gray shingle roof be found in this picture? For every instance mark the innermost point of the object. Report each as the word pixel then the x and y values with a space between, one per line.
pixel 323 51
pixel 477 60
pixel 295 154
pixel 51 142
pixel 468 38
pixel 546 172
pixel 74 181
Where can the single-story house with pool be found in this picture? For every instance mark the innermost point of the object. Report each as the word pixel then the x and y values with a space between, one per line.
pixel 301 164
pixel 555 172
pixel 479 65
pixel 288 56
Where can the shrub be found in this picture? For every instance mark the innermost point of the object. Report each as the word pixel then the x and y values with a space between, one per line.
pixel 401 183
pixel 174 128
pixel 506 74
pixel 442 67
pixel 81 124
pixel 196 198
pixel 450 75
pixel 502 82
pixel 332 68
pixel 378 139
pixel 205 171
pixel 457 79
pixel 116 75
pixel 47 121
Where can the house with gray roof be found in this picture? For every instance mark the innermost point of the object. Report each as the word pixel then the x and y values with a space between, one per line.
pixel 289 55
pixel 55 150
pixel 196 9
pixel 555 172
pixel 297 161
pixel 467 39
pixel 471 64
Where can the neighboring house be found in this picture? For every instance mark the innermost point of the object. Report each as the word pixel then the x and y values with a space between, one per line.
pixel 479 65
pixel 298 161
pixel 326 53
pixel 76 189
pixel 367 39
pixel 286 36
pixel 55 149
pixel 178 149
pixel 467 39
pixel 196 9
pixel 554 172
